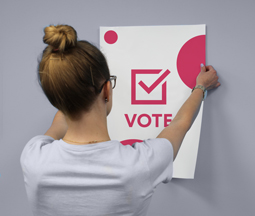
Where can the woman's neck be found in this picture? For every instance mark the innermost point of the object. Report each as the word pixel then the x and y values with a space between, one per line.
pixel 90 127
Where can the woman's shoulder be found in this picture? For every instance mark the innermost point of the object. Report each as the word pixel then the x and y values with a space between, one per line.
pixel 158 154
pixel 35 144
pixel 39 140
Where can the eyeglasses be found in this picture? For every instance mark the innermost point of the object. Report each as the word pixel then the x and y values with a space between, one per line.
pixel 112 79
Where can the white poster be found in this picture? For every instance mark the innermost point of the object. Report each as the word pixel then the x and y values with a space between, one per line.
pixel 156 69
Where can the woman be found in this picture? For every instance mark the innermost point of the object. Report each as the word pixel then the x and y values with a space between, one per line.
pixel 74 169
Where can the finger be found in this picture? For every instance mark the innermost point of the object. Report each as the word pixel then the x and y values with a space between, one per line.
pixel 209 67
pixel 203 67
pixel 215 86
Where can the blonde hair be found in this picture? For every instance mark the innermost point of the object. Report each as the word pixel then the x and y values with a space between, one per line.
pixel 70 72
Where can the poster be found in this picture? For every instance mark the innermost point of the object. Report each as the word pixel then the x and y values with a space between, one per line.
pixel 156 69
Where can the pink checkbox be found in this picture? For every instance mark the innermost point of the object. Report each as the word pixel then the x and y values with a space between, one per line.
pixel 158 81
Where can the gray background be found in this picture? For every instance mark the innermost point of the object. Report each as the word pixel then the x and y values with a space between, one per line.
pixel 225 175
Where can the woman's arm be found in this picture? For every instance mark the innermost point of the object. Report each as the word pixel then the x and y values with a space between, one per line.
pixel 58 127
pixel 177 129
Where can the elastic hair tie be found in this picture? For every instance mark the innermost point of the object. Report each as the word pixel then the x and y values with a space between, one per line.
pixel 55 50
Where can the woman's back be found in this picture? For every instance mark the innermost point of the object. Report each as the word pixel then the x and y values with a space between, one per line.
pixel 75 177
pixel 106 178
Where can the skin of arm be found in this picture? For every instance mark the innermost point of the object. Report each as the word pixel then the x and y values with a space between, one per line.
pixel 177 129
pixel 58 127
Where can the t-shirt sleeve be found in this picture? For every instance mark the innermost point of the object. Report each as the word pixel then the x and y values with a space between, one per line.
pixel 32 150
pixel 159 156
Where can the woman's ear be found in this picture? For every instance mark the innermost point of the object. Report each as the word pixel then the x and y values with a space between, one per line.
pixel 108 97
pixel 107 91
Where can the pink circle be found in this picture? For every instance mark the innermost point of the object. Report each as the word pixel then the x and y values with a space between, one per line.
pixel 189 59
pixel 130 141
pixel 110 37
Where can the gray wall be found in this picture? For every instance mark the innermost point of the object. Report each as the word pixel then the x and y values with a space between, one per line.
pixel 225 174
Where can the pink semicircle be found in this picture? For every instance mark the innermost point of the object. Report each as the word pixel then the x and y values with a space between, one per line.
pixel 130 141
pixel 189 59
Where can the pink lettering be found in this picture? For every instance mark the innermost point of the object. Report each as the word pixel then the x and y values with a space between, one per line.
pixel 139 120
pixel 166 120
pixel 130 124
pixel 156 118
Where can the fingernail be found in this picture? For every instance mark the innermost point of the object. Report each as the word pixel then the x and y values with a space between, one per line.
pixel 202 65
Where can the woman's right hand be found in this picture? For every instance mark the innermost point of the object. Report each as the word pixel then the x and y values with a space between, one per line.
pixel 177 129
pixel 208 77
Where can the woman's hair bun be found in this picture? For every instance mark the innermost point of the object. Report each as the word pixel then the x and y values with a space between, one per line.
pixel 60 37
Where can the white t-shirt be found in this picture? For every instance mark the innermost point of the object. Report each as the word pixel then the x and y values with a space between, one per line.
pixel 101 179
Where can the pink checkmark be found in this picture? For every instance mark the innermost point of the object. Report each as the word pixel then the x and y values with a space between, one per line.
pixel 155 84
pixel 135 101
